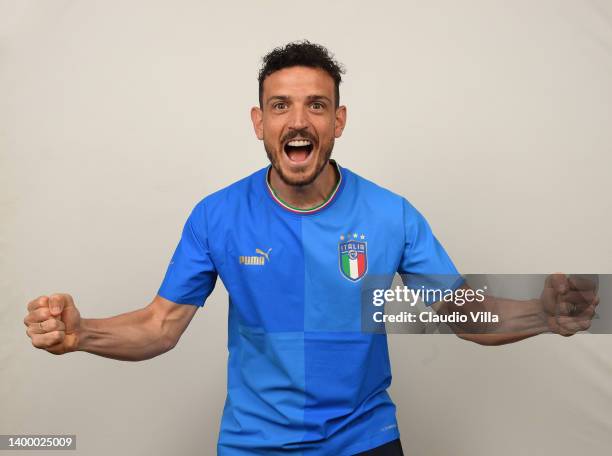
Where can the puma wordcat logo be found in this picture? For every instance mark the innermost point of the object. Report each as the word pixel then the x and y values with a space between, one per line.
pixel 255 260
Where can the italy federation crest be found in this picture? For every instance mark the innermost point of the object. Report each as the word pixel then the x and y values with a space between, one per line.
pixel 353 256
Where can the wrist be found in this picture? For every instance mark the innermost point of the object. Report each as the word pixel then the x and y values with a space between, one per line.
pixel 542 315
pixel 82 335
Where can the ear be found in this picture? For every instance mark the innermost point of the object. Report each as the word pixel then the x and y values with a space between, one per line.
pixel 340 121
pixel 257 119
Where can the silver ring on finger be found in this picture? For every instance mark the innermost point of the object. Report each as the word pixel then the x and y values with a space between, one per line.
pixel 572 308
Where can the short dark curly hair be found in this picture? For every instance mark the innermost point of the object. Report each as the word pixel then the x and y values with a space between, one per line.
pixel 301 53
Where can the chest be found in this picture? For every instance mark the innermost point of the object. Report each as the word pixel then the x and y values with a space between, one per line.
pixel 304 273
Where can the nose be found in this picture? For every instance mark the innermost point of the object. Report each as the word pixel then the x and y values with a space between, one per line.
pixel 298 119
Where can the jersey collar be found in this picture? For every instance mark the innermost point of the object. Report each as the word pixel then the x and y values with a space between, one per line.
pixel 312 210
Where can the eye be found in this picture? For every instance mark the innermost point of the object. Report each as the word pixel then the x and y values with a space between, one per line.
pixel 317 106
pixel 280 105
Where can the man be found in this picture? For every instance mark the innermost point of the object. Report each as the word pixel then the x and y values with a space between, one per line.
pixel 292 243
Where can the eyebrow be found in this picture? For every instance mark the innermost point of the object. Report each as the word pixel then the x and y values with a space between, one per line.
pixel 309 98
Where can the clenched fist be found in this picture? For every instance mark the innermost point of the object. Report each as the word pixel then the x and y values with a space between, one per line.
pixel 53 323
pixel 569 303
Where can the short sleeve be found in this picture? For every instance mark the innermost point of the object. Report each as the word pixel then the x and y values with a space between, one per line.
pixel 424 261
pixel 191 274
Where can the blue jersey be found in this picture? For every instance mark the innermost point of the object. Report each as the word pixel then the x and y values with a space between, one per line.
pixel 303 379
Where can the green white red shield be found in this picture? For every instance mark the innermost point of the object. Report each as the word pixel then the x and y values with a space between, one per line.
pixel 353 259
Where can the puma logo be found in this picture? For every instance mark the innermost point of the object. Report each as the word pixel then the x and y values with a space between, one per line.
pixel 266 254
pixel 255 260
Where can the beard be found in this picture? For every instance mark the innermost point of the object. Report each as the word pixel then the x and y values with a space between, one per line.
pixel 304 179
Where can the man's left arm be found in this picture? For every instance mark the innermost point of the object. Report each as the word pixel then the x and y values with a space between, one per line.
pixel 566 306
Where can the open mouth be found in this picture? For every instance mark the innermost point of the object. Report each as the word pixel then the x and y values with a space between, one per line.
pixel 298 150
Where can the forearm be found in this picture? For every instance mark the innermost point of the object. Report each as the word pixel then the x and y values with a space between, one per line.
pixel 132 336
pixel 516 320
pixel 520 317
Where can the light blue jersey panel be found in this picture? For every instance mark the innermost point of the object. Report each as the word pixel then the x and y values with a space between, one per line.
pixel 302 377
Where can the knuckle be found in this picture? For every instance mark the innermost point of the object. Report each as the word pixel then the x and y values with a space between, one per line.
pixel 36 342
pixel 54 337
pixel 585 325
pixel 61 296
pixel 60 336
pixel 46 343
pixel 41 301
pixel 52 324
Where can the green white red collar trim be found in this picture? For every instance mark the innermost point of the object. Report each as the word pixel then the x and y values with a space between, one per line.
pixel 297 210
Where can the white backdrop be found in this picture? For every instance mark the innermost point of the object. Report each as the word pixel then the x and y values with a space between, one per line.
pixel 492 117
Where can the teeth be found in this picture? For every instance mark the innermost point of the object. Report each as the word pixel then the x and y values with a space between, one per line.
pixel 299 143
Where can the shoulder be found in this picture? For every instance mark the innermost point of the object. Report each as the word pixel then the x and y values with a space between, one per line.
pixel 385 205
pixel 235 194
pixel 373 193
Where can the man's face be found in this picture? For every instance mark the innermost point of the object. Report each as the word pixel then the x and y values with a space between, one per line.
pixel 298 122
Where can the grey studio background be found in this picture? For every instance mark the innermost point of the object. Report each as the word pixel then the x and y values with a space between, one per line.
pixel 492 117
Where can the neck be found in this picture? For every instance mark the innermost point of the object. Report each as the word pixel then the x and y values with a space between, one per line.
pixel 307 196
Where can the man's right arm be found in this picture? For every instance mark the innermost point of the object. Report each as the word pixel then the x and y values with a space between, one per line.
pixel 54 324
